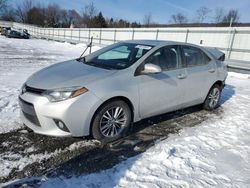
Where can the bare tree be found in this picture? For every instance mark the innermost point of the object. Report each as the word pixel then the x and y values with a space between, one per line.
pixel 3 4
pixel 147 20
pixel 53 15
pixel 179 18
pixel 36 15
pixel 89 12
pixel 22 8
pixel 232 14
pixel 202 14
pixel 70 17
pixel 8 14
pixel 219 15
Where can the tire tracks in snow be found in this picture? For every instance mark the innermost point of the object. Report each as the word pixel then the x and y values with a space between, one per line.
pixel 38 155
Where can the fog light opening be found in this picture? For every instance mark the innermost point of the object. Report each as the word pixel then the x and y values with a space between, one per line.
pixel 61 125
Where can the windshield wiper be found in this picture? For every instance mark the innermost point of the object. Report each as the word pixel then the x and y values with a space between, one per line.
pixel 81 58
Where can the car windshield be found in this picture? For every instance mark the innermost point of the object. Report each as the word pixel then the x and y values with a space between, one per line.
pixel 120 56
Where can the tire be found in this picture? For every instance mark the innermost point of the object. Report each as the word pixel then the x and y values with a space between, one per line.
pixel 112 121
pixel 213 98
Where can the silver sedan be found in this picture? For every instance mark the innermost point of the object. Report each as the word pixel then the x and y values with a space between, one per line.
pixel 103 93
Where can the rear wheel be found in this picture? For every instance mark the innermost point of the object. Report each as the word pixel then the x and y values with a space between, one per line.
pixel 213 98
pixel 111 121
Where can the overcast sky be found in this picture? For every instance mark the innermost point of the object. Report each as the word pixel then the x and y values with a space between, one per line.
pixel 161 10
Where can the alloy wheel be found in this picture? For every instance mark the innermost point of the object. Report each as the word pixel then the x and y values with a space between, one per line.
pixel 213 97
pixel 113 122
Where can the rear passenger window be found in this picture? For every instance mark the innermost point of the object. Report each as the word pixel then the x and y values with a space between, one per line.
pixel 195 56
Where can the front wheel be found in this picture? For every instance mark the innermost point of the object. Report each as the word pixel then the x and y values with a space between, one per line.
pixel 111 121
pixel 213 98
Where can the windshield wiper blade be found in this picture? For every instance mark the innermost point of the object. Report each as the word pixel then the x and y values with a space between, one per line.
pixel 81 59
pixel 88 46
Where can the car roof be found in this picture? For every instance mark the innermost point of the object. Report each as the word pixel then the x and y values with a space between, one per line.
pixel 153 42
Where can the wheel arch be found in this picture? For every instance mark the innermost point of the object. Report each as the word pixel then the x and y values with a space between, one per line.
pixel 122 98
pixel 218 82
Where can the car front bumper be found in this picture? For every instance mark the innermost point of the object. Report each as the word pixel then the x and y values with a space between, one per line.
pixel 43 116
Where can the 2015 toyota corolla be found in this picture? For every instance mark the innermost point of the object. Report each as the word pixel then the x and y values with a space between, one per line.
pixel 103 93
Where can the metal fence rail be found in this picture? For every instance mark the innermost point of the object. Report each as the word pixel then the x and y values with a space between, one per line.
pixel 234 42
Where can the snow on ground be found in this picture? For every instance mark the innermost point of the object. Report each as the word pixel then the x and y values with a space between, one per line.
pixel 19 160
pixel 214 154
pixel 18 60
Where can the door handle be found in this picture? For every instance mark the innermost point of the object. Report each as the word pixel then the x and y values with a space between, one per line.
pixel 181 76
pixel 211 70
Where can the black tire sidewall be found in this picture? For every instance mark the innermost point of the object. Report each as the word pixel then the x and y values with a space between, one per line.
pixel 96 132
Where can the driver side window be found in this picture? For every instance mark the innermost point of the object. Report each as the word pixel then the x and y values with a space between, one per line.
pixel 167 58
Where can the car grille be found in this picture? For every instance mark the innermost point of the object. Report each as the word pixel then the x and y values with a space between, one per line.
pixel 33 90
pixel 29 111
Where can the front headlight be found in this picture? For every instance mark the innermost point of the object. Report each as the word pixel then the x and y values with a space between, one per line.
pixel 64 93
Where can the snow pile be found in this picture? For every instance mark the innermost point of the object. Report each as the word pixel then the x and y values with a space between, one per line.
pixel 18 60
pixel 214 154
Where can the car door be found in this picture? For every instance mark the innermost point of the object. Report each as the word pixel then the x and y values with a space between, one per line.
pixel 200 74
pixel 162 92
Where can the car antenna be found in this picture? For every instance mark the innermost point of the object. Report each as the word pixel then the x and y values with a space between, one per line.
pixel 88 46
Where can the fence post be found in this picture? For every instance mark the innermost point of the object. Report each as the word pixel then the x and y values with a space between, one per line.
pixel 186 38
pixel 79 35
pixel 71 33
pixel 53 35
pixel 157 33
pixel 133 34
pixel 100 37
pixel 89 36
pixel 115 36
pixel 231 43
pixel 64 33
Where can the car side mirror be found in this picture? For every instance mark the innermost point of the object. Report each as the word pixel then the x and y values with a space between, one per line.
pixel 151 69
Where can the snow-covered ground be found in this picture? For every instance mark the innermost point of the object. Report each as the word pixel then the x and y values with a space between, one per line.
pixel 214 154
pixel 18 60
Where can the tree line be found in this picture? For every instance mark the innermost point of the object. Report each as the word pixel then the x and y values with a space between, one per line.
pixel 219 16
pixel 52 15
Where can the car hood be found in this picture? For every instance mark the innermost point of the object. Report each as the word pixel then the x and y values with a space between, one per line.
pixel 67 74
